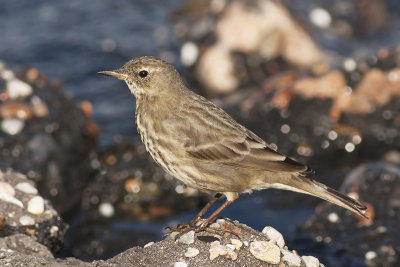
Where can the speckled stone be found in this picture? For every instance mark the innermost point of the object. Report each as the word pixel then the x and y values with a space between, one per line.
pixel 187 238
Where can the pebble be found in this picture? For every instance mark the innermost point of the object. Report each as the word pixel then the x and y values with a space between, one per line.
pixel 310 261
pixel 39 107
pixel 36 205
pixel 106 209
pixel 266 251
pixel 12 126
pixel 320 17
pixel 274 235
pixel 54 230
pixel 236 243
pixel 291 259
pixel 27 188
pixel 187 238
pixel 333 217
pixel 216 249
pixel 189 54
pixel 11 199
pixel 370 255
pixel 6 188
pixel 26 220
pixel 17 88
pixel 191 252
pixel 180 264
pixel 148 244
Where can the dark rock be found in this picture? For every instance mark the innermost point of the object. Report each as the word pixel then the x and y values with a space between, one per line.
pixel 228 251
pixel 25 212
pixel 374 242
pixel 50 142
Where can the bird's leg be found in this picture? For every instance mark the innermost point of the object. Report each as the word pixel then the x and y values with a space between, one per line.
pixel 182 229
pixel 214 215
pixel 201 213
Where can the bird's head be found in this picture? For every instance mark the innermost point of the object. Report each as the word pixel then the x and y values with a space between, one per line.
pixel 148 76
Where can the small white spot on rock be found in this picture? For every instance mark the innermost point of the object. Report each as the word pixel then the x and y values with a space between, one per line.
pixel 17 88
pixel 12 126
pixel 266 251
pixel 7 189
pixel 106 209
pixel 370 255
pixel 310 261
pixel 36 205
pixel 274 235
pixel 333 217
pixel 11 199
pixel 189 54
pixel 191 252
pixel 187 238
pixel 180 264
pixel 53 231
pixel 148 244
pixel 26 220
pixel 26 188
pixel 236 243
pixel 320 17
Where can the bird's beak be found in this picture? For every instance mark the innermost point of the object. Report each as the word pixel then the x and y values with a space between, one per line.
pixel 119 74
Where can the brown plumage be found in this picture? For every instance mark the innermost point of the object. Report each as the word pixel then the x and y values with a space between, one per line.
pixel 198 143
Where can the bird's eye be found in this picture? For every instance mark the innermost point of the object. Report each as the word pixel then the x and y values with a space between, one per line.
pixel 143 73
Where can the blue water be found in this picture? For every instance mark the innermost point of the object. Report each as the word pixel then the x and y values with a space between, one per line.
pixel 72 40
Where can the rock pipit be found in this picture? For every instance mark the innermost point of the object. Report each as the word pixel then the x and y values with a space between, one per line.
pixel 198 143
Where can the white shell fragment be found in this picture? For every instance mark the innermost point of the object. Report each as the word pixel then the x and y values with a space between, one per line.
pixel 274 236
pixel 36 205
pixel 12 126
pixel 180 264
pixel 11 199
pixel 17 88
pixel 292 259
pixel 26 220
pixel 310 261
pixel 7 189
pixel 191 252
pixel 27 188
pixel 266 251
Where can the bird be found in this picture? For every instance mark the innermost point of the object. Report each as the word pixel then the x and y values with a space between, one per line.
pixel 199 144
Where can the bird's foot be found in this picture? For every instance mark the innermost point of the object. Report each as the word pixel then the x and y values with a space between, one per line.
pixel 198 227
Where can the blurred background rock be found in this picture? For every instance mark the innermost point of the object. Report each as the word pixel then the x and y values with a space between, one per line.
pixel 319 80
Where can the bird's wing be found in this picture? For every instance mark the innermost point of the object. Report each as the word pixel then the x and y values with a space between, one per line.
pixel 249 151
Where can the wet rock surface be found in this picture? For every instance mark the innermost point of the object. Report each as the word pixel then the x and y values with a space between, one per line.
pixel 23 211
pixel 372 242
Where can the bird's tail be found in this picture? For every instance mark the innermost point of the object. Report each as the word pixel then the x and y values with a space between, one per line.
pixel 308 186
